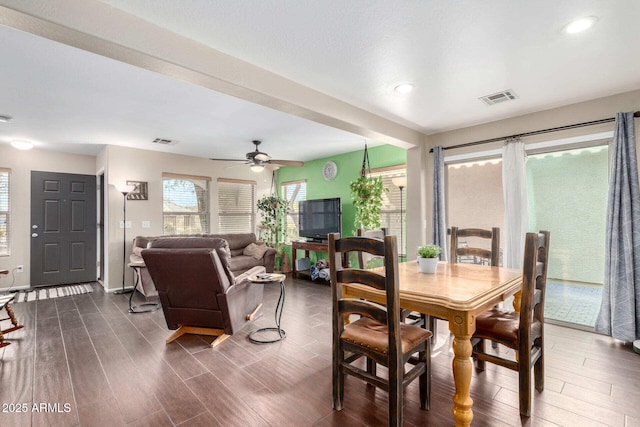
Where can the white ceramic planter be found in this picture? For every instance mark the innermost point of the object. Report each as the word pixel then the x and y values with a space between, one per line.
pixel 428 265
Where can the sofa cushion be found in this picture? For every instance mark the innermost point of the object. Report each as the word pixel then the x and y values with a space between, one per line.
pixel 238 241
pixel 256 251
pixel 242 263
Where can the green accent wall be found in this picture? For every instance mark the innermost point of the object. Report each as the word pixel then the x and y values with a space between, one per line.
pixel 349 166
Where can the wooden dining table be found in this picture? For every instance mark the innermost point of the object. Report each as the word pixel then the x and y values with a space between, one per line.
pixel 457 293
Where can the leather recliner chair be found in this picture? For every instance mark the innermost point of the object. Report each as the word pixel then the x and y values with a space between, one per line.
pixel 198 292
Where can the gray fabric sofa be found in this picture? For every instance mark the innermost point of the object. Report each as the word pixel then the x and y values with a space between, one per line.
pixel 238 262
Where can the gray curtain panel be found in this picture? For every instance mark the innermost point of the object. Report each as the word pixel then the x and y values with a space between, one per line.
pixel 620 309
pixel 439 226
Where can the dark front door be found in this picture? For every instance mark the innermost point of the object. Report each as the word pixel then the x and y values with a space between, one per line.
pixel 63 228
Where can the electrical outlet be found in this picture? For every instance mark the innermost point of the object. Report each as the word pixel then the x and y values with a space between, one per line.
pixel 20 269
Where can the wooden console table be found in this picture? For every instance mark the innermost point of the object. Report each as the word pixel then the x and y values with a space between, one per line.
pixel 310 246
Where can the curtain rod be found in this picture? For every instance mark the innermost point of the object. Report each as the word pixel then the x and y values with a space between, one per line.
pixel 535 132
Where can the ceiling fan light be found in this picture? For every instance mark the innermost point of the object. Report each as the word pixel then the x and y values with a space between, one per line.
pixel 257 168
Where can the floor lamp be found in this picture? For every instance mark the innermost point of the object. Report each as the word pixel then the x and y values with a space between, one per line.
pixel 124 189
pixel 401 183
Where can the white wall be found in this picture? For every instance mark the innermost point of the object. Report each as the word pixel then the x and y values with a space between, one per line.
pixel 118 164
pixel 129 164
pixel 21 164
pixel 577 113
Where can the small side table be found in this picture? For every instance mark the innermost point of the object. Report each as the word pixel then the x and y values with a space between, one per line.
pixel 145 307
pixel 271 278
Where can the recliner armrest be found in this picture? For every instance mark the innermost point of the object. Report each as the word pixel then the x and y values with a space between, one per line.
pixel 251 272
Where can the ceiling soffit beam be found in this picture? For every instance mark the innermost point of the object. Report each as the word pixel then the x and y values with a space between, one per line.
pixel 101 29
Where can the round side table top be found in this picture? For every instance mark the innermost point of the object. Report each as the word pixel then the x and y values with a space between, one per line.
pixel 267 278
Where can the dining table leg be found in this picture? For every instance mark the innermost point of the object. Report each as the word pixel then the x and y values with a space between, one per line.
pixel 462 326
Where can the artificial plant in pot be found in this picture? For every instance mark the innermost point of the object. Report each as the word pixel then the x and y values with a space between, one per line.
pixel 273 210
pixel 428 256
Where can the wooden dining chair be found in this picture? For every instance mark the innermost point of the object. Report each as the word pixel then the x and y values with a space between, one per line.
pixel 491 255
pixel 5 303
pixel 363 257
pixel 523 330
pixel 378 334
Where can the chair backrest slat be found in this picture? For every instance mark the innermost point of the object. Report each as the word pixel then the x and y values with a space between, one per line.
pixel 534 280
pixel 492 255
pixel 367 277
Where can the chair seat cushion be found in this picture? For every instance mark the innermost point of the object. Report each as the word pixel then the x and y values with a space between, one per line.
pixel 372 334
pixel 502 326
pixel 498 325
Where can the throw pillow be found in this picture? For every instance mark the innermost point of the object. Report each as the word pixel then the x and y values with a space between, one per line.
pixel 256 251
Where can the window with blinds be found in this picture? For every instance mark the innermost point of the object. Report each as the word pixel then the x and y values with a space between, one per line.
pixel 236 206
pixel 4 212
pixel 393 212
pixel 293 191
pixel 185 204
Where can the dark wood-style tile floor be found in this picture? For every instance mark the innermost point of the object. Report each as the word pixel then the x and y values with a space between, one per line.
pixel 85 361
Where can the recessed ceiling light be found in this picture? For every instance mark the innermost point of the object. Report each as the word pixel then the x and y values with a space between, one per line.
pixel 4 118
pixel 21 145
pixel 580 25
pixel 403 88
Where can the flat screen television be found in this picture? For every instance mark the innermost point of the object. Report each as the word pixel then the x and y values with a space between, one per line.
pixel 319 217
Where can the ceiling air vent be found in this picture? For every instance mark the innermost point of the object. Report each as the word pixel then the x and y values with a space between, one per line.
pixel 497 98
pixel 164 141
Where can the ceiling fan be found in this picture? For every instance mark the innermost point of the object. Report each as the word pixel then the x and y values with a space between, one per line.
pixel 257 160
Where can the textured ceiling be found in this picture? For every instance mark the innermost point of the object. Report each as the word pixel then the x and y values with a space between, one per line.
pixel 354 52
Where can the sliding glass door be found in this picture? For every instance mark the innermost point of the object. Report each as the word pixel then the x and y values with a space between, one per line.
pixel 567 193
pixel 568 196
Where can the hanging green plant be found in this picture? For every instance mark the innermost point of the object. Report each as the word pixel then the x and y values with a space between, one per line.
pixel 366 193
pixel 273 210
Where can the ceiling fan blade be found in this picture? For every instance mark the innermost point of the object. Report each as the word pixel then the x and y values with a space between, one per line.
pixel 230 160
pixel 287 162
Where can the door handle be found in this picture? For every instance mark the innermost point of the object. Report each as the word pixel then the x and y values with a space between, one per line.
pixel 34 235
pixel 34 226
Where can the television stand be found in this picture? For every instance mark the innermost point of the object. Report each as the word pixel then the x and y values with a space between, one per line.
pixel 307 247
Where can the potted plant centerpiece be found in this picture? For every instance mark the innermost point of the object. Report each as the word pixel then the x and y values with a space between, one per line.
pixel 428 258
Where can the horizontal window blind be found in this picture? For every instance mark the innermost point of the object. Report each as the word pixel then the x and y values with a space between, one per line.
pixel 4 212
pixel 236 206
pixel 185 204
pixel 293 191
pixel 390 215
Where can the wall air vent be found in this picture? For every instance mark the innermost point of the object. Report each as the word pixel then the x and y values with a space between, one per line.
pixel 164 141
pixel 497 98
